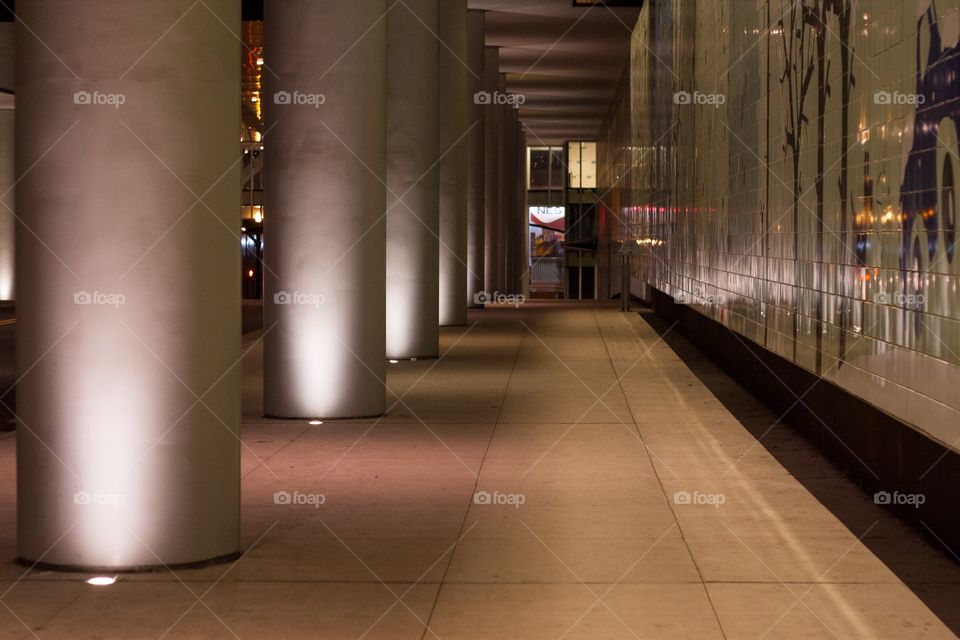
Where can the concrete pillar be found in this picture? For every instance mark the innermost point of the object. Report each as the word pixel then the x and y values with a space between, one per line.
pixel 519 229
pixel 504 190
pixel 7 200
pixel 325 110
pixel 524 221
pixel 454 126
pixel 413 247
pixel 512 222
pixel 128 267
pixel 491 169
pixel 475 55
pixel 7 197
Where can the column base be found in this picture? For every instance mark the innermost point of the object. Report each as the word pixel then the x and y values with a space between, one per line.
pixel 76 568
pixel 331 418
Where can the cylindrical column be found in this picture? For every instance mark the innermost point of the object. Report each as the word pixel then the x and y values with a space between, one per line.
pixel 504 190
pixel 518 228
pixel 510 220
pixel 7 196
pixel 454 128
pixel 524 231
pixel 324 267
pixel 413 220
pixel 491 169
pixel 475 54
pixel 128 269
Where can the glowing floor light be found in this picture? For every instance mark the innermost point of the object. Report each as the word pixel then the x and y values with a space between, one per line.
pixel 102 581
pixel 315 422
pixel 394 361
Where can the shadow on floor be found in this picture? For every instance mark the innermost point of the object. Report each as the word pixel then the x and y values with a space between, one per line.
pixel 909 556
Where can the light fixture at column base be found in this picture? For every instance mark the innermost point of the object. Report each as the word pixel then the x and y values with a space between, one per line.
pixel 313 421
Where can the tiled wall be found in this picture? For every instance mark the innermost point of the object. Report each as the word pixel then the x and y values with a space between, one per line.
pixel 788 168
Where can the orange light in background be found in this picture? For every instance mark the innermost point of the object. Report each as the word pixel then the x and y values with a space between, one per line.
pixel 250 273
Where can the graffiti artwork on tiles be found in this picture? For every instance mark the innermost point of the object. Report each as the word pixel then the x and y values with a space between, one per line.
pixel 801 187
pixel 927 193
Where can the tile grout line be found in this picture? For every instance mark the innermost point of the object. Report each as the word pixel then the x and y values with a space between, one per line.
pixel 656 473
pixel 613 369
pixel 262 464
pixel 33 629
pixel 463 523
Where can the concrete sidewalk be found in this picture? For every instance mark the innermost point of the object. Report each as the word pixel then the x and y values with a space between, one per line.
pixel 560 472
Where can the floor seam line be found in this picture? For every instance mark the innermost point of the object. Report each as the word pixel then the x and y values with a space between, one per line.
pixel 476 485
pixel 656 473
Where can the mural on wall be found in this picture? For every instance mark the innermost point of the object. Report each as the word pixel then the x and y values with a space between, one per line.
pixel 805 192
pixel 797 75
pixel 927 193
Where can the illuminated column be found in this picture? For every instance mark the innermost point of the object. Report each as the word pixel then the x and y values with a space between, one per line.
pixel 504 192
pixel 524 220
pixel 7 204
pixel 508 190
pixel 454 127
pixel 518 229
pixel 475 35
pixel 413 247
pixel 491 169
pixel 324 260
pixel 509 193
pixel 128 315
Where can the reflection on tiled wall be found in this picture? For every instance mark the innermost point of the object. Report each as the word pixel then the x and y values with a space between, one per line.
pixel 790 168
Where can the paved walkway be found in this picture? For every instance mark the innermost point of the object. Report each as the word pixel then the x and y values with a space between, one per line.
pixel 559 473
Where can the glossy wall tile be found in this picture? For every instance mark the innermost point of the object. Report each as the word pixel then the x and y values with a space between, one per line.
pixel 790 168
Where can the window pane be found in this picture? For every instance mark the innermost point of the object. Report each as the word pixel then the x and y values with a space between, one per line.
pixel 539 168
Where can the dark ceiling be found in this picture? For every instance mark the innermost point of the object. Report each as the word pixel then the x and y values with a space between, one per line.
pixel 565 60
